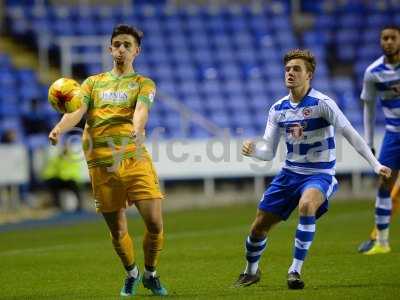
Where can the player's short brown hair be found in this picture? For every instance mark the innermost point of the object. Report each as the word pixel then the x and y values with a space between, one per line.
pixel 391 26
pixel 126 29
pixel 303 54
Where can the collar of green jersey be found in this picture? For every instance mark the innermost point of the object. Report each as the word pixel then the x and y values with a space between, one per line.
pixel 132 74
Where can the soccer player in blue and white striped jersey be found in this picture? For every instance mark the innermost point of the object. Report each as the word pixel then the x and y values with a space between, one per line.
pixel 382 81
pixel 307 119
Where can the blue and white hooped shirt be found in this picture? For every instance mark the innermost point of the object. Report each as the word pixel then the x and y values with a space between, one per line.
pixel 308 128
pixel 382 81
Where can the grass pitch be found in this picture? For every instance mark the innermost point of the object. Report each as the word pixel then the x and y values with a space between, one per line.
pixel 203 256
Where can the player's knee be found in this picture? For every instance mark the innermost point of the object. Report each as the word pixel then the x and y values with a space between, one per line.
pixel 308 207
pixel 154 225
pixel 258 228
pixel 118 234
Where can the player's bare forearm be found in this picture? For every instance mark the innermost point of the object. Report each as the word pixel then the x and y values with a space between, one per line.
pixel 67 122
pixel 70 120
pixel 140 118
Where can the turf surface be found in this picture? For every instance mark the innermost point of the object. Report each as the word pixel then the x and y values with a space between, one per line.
pixel 203 256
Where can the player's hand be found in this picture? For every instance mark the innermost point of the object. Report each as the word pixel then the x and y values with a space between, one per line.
pixel 248 148
pixel 385 171
pixel 54 135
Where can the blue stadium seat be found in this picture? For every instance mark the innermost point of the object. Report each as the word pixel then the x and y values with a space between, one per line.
pixel 220 118
pixel 251 71
pixel 350 20
pixel 277 90
pixel 396 17
pixel 185 73
pixel 104 26
pixel 342 84
pixel 249 132
pixel 260 102
pixel 196 104
pixel 242 39
pixel 189 88
pixel 214 102
pixel 361 66
pixel 229 71
pixel 7 79
pixel 85 27
pixel 325 21
pixel 347 36
pixel 63 27
pixel 355 117
pixel 246 55
pixel 181 56
pixel 211 58
pixel 177 40
pixel 256 86
pixel 347 52
pixel 260 118
pixel 241 119
pixel 203 56
pixel 42 26
pixel 29 92
pixel 370 52
pixel 215 25
pixel 370 35
pixel 5 61
pixel 348 101
pixel 9 109
pixel 194 24
pixel 234 86
pixel 239 103
pixel 274 70
pixel 377 20
pixel 285 39
pixel 221 41
pixel 314 38
pixel 199 133
pixel 322 69
pixel 94 68
pixel 319 52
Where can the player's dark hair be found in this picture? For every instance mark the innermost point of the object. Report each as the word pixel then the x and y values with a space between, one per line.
pixel 391 26
pixel 303 54
pixel 126 29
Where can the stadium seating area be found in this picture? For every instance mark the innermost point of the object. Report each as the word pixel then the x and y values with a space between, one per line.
pixel 23 101
pixel 224 63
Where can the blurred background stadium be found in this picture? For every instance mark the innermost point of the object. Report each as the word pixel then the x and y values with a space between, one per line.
pixel 218 68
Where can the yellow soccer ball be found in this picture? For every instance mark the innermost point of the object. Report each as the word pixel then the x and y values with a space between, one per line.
pixel 63 95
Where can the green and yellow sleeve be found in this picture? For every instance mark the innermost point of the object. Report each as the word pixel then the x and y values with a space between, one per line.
pixel 147 92
pixel 86 91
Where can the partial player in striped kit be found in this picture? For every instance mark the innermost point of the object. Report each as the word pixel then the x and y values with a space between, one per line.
pixel 382 81
pixel 307 119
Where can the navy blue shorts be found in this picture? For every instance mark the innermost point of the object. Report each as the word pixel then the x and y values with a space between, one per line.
pixel 390 150
pixel 285 190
